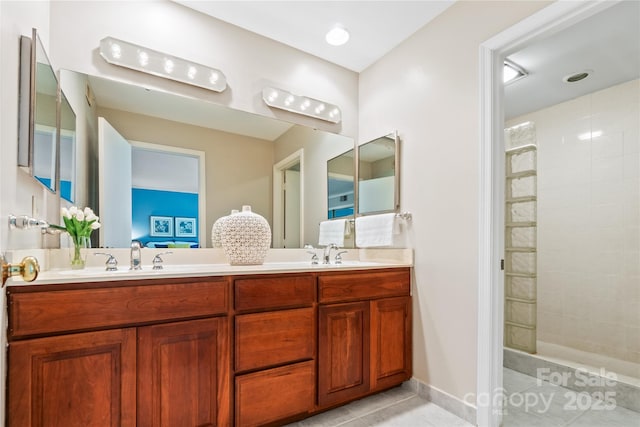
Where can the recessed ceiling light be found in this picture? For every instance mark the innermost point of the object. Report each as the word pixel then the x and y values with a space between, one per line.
pixel 337 36
pixel 576 77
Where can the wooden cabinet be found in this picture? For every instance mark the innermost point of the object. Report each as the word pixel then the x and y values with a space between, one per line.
pixel 363 346
pixel 275 348
pixel 86 379
pixel 183 374
pixel 149 367
pixel 205 351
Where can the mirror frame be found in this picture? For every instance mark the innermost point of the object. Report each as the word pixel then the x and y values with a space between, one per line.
pixel 27 98
pixel 396 184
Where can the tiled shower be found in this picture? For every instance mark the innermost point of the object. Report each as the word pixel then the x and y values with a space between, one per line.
pixel 584 293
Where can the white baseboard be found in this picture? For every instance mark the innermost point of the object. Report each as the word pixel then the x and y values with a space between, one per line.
pixel 443 399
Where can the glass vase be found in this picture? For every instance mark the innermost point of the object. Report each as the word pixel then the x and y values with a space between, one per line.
pixel 78 252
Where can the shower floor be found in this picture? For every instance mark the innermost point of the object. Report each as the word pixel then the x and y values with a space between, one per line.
pixel 593 382
pixel 532 403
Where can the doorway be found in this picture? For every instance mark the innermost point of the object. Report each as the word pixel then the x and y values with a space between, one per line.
pixel 491 295
pixel 288 201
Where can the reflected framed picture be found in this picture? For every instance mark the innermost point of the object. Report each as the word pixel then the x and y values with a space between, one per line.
pixel 161 226
pixel 185 227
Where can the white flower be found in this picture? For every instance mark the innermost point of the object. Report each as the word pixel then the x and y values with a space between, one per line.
pixel 90 216
pixel 65 213
pixel 73 210
pixel 95 225
pixel 80 215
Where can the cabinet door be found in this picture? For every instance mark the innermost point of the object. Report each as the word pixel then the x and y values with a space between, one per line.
pixel 83 379
pixel 183 374
pixel 343 352
pixel 390 342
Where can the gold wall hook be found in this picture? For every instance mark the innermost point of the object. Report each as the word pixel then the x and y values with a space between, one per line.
pixel 28 269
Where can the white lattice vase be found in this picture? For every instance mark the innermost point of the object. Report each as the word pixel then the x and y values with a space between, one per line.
pixel 245 237
pixel 216 230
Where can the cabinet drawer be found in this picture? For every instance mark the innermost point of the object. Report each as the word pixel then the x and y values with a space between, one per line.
pixel 267 339
pixel 346 287
pixel 53 311
pixel 275 394
pixel 274 292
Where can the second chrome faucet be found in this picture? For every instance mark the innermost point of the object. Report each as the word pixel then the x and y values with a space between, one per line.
pixel 136 256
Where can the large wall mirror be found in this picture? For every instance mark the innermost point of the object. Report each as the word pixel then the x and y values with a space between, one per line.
pixel 240 149
pixel 37 136
pixel 378 175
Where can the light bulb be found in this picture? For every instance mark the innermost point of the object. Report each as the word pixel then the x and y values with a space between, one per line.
pixel 289 100
pixel 143 58
pixel 191 72
pixel 168 66
pixel 213 77
pixel 116 51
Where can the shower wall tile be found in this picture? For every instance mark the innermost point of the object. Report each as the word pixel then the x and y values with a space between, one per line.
pixel 588 214
pixel 631 165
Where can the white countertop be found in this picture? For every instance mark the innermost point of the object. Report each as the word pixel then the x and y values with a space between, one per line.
pixel 199 263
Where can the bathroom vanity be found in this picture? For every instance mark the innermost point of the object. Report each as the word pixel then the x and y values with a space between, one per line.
pixel 245 349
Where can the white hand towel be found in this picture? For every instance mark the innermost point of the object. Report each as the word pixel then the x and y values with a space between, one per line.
pixel 375 230
pixel 332 232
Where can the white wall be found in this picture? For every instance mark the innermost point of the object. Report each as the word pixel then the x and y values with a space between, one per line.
pixel 16 187
pixel 249 61
pixel 589 222
pixel 427 88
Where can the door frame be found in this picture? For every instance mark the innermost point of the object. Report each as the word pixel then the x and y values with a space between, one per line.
pixel 202 180
pixel 555 17
pixel 278 170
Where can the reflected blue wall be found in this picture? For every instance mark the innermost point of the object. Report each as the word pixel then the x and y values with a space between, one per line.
pixel 145 203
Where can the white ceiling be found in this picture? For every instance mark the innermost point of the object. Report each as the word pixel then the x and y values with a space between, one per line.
pixel 376 27
pixel 607 43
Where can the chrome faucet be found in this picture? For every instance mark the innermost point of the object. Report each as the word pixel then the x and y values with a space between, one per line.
pixel 327 252
pixel 136 256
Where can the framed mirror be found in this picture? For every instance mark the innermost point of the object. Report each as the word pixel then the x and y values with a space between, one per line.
pixel 38 98
pixel 67 143
pixel 378 175
pixel 341 185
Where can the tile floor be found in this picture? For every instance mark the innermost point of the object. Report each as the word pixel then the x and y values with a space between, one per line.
pixel 530 404
pixel 398 407
pixel 548 406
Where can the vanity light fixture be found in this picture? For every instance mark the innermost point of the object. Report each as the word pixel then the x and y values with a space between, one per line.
pixel 337 36
pixel 129 55
pixel 512 72
pixel 278 98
